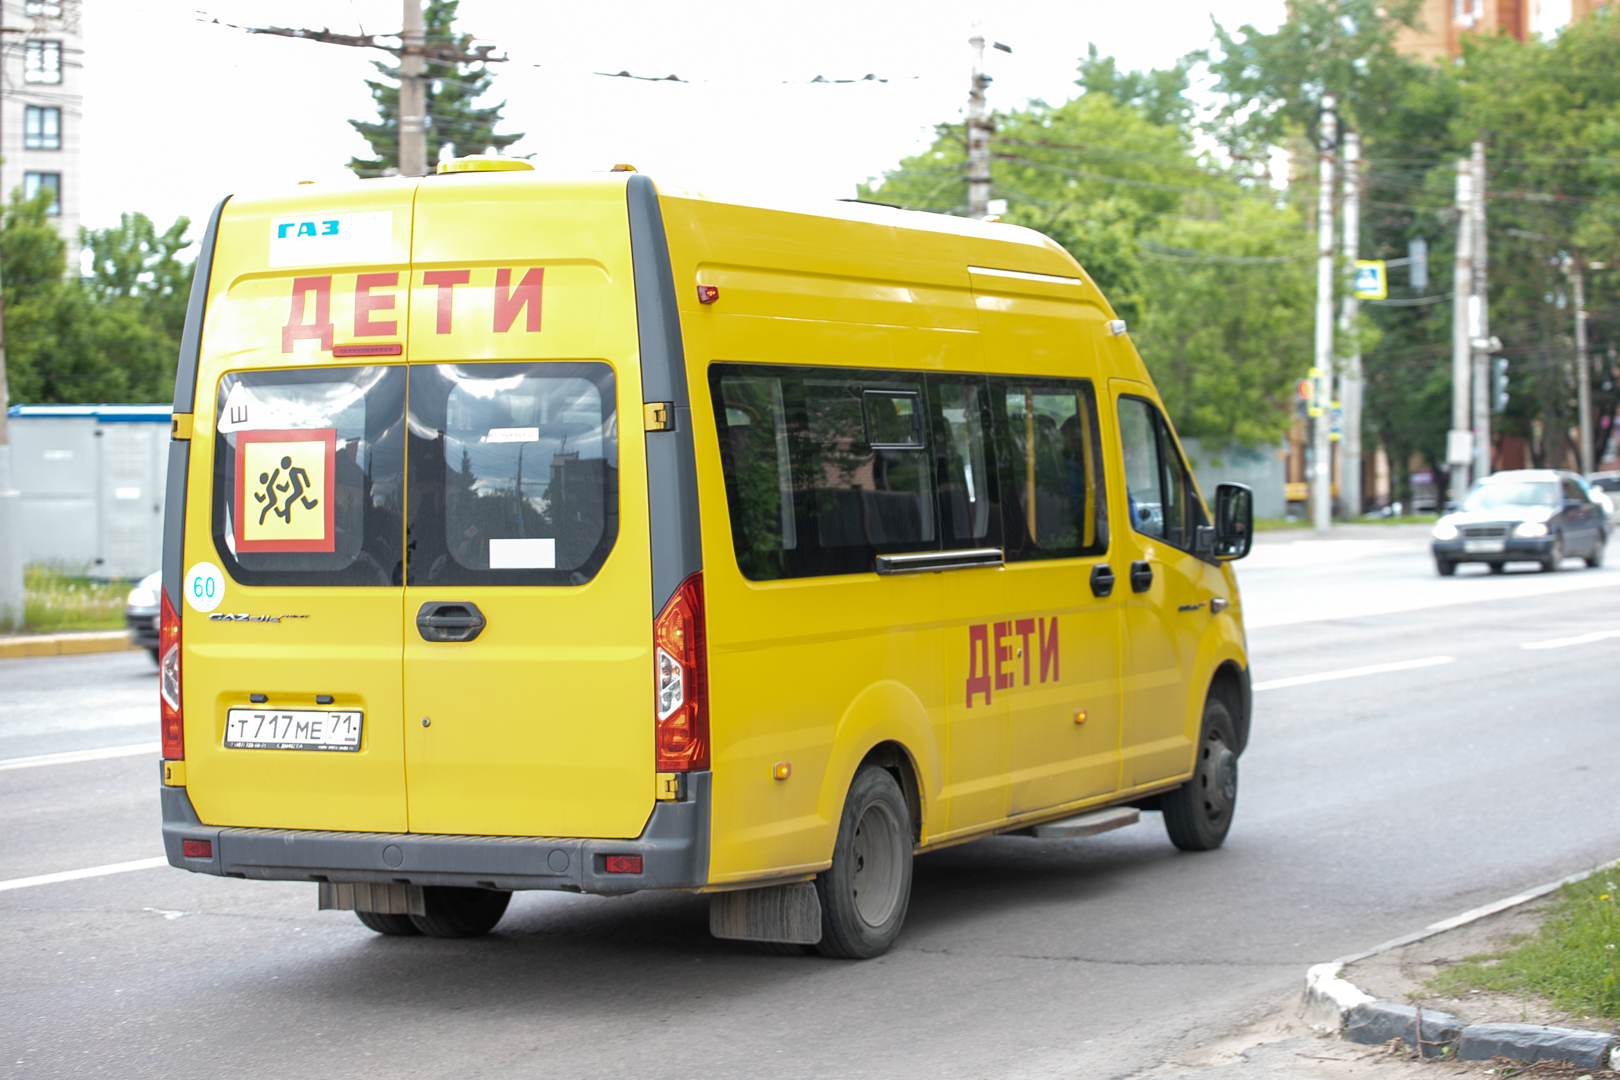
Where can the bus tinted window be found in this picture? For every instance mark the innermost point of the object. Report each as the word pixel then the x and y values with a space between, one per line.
pixel 307 475
pixel 514 473
pixel 1047 441
pixel 809 492
pixel 969 514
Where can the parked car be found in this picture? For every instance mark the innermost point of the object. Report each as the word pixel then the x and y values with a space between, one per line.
pixel 141 613
pixel 1523 515
pixel 1606 486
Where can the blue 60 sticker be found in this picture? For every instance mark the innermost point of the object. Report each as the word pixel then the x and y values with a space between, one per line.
pixel 205 587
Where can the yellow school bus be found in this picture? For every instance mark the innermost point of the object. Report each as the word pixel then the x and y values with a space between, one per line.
pixel 527 533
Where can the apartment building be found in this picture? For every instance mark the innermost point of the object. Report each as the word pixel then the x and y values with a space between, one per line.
pixel 41 107
pixel 1444 22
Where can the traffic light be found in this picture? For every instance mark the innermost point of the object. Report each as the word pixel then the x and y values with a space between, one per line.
pixel 1499 383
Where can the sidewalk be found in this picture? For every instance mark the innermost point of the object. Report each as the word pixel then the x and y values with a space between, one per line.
pixel 94 641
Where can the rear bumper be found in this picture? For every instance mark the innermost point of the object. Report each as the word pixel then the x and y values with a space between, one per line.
pixel 674 850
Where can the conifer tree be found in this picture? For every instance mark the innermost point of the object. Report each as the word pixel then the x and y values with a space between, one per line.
pixel 451 91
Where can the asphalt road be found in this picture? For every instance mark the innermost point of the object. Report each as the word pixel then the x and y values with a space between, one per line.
pixel 1370 805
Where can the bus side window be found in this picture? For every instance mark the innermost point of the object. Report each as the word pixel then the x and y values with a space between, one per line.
pixel 1157 488
pixel 963 464
pixel 1050 456
pixel 825 468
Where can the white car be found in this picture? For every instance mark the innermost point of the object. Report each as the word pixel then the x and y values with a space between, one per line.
pixel 1604 486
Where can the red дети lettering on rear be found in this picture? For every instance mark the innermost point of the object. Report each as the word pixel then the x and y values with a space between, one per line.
pixel 510 301
pixel 365 304
pixel 320 328
pixel 446 280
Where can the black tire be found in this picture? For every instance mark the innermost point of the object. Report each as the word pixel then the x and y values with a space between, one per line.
pixel 1555 556
pixel 153 653
pixel 1445 567
pixel 455 912
pixel 1198 814
pixel 389 925
pixel 1595 559
pixel 1498 568
pixel 865 892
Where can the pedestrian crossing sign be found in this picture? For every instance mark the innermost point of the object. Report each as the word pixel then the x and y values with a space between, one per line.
pixel 1372 279
pixel 284 487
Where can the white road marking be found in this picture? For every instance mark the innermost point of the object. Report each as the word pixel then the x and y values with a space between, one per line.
pixel 87 872
pixel 1351 673
pixel 1579 639
pixel 72 756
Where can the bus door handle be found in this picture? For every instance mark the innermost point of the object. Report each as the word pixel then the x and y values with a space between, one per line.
pixel 1141 575
pixel 1102 580
pixel 449 621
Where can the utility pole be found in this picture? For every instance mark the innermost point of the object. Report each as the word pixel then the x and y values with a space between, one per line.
pixel 1575 270
pixel 1349 309
pixel 414 52
pixel 1321 447
pixel 1480 319
pixel 978 136
pixel 1459 448
pixel 412 94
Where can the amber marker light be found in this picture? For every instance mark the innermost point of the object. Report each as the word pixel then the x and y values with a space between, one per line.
pixel 783 770
pixel 1079 716
pixel 708 294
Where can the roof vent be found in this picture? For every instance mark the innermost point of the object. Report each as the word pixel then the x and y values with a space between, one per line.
pixel 484 164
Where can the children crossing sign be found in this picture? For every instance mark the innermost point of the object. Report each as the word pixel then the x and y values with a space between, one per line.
pixel 284 485
pixel 1372 279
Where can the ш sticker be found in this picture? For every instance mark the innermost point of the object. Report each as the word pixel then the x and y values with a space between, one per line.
pixel 284 485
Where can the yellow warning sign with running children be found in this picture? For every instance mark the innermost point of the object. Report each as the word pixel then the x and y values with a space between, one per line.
pixel 284 484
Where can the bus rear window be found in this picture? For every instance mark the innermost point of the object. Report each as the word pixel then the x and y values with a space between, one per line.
pixel 307 475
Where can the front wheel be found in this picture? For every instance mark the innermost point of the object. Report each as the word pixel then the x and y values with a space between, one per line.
pixel 1554 557
pixel 865 892
pixel 1445 567
pixel 1198 814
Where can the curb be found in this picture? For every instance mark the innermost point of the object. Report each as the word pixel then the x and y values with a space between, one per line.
pixel 64 644
pixel 1336 1006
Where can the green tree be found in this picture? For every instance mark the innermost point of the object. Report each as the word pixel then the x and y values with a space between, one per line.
pixel 73 342
pixel 1205 267
pixel 451 90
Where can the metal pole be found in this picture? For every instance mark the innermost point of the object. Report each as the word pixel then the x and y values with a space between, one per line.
pixel 11 563
pixel 1321 448
pixel 1459 451
pixel 412 95
pixel 1480 314
pixel 1583 363
pixel 978 136
pixel 1350 500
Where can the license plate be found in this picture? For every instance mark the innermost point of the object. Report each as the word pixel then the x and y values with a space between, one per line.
pixel 1484 547
pixel 292 729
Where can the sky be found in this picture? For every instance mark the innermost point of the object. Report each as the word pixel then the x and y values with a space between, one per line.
pixel 180 111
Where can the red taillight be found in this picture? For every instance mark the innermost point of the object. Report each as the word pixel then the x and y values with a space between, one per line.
pixel 681 681
pixel 621 864
pixel 197 849
pixel 174 730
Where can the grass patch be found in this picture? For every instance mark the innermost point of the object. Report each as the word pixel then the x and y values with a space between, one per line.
pixel 56 599
pixel 1269 524
pixel 1572 961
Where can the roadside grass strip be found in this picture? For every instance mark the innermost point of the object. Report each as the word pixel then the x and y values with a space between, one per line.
pixel 79 875
pixel 1571 960
pixel 1578 639
pixel 73 756
pixel 1352 673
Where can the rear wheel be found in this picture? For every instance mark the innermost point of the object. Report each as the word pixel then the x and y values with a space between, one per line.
pixel 1595 559
pixel 865 892
pixel 454 912
pixel 1445 567
pixel 391 925
pixel 1198 814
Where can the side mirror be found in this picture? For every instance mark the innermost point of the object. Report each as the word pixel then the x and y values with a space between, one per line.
pixel 1234 521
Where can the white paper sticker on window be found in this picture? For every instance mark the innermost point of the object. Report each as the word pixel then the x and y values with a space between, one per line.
pixel 523 554
pixel 324 239
pixel 513 434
